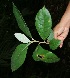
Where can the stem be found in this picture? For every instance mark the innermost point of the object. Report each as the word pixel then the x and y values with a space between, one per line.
pixel 43 42
pixel 34 41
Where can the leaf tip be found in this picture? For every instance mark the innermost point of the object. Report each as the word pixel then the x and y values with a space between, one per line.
pixel 12 70
pixel 13 4
pixel 44 6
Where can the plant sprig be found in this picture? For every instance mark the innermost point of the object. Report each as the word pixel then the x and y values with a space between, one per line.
pixel 43 23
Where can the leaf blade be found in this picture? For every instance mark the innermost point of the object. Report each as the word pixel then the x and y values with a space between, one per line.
pixel 43 23
pixel 21 23
pixel 22 37
pixel 18 56
pixel 54 43
pixel 46 56
pixel 51 36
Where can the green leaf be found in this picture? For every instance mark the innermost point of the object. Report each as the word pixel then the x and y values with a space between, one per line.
pixel 54 43
pixel 41 54
pixel 21 23
pixel 51 36
pixel 18 56
pixel 43 23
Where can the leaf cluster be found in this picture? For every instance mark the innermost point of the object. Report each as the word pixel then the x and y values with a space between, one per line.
pixel 43 23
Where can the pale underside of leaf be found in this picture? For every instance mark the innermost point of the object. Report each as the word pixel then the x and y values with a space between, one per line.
pixel 22 37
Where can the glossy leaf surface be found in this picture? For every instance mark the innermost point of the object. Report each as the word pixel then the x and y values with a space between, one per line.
pixel 54 43
pixel 21 23
pixel 22 37
pixel 41 54
pixel 43 23
pixel 18 56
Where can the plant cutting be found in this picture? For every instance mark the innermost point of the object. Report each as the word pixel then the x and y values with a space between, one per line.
pixel 43 24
